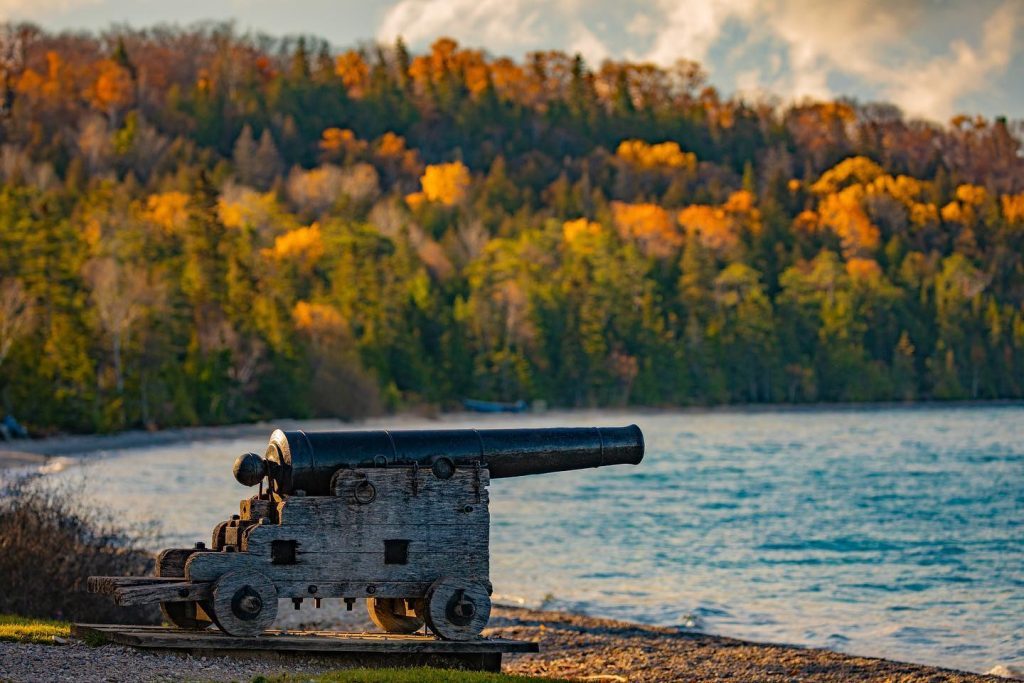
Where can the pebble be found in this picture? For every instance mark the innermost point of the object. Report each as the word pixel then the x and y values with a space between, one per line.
pixel 75 661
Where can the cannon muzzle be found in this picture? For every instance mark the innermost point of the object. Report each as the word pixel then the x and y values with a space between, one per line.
pixel 306 461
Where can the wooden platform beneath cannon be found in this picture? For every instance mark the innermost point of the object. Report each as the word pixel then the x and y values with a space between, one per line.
pixel 348 649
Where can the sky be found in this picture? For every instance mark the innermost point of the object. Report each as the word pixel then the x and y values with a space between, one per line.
pixel 932 58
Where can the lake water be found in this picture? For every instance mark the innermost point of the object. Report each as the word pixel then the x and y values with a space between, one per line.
pixel 891 533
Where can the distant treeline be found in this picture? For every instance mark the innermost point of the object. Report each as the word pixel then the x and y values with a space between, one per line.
pixel 202 227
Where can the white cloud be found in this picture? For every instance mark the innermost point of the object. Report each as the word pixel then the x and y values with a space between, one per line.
pixel 865 40
pixel 498 25
pixel 870 40
pixel 641 25
pixel 933 87
pixel 690 27
pixel 587 44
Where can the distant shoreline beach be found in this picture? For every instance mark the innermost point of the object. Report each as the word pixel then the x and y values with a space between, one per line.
pixel 37 452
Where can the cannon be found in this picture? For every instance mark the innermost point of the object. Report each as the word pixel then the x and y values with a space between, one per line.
pixel 398 518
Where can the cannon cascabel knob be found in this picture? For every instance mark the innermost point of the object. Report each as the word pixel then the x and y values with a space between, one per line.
pixel 250 468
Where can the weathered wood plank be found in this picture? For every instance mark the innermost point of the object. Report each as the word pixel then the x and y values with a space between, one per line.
pixel 459 539
pixel 352 589
pixel 179 591
pixel 395 499
pixel 254 508
pixel 326 642
pixel 142 590
pixel 328 510
pixel 106 585
pixel 368 566
pixel 171 562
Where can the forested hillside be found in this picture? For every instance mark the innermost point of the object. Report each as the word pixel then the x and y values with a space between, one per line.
pixel 199 227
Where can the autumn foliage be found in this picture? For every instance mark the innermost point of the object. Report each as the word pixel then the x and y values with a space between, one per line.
pixel 442 183
pixel 661 155
pixel 197 227
pixel 649 225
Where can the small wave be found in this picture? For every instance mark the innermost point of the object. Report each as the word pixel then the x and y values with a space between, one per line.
pixel 692 622
pixel 1003 671
pixel 55 465
pixel 840 545
pixel 509 599
pixel 704 611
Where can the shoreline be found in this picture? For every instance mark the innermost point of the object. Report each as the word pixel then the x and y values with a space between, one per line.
pixel 581 646
pixel 38 451
pixel 592 648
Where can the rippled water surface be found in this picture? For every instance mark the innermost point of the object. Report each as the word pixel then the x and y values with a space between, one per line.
pixel 892 533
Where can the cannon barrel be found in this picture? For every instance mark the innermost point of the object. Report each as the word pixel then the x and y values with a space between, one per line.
pixel 306 461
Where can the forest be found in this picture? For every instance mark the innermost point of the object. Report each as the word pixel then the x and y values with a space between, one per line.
pixel 199 226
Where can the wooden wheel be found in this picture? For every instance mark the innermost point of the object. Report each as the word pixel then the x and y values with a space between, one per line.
pixel 394 616
pixel 244 603
pixel 457 609
pixel 185 615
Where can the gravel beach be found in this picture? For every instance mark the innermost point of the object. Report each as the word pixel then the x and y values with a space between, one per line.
pixel 572 646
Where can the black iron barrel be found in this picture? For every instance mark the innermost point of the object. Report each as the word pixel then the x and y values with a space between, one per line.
pixel 306 461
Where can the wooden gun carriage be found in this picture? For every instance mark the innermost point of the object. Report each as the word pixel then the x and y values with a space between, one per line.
pixel 399 518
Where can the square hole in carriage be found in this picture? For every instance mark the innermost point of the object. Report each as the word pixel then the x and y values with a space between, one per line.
pixel 396 551
pixel 283 552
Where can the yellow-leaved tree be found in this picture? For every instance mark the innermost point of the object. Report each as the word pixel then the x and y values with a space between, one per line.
pixel 446 184
pixel 843 213
pixel 660 155
pixel 302 246
pixel 1013 207
pixel 169 210
pixel 651 226
pixel 719 227
pixel 580 231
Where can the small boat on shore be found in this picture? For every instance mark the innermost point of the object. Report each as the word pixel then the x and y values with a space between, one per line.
pixel 476 406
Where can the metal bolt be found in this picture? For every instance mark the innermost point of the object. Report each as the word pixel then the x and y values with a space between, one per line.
pixel 443 468
pixel 371 589
pixel 312 589
pixel 251 604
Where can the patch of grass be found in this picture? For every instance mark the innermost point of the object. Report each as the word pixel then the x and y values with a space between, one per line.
pixel 94 639
pixel 26 630
pixel 417 675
